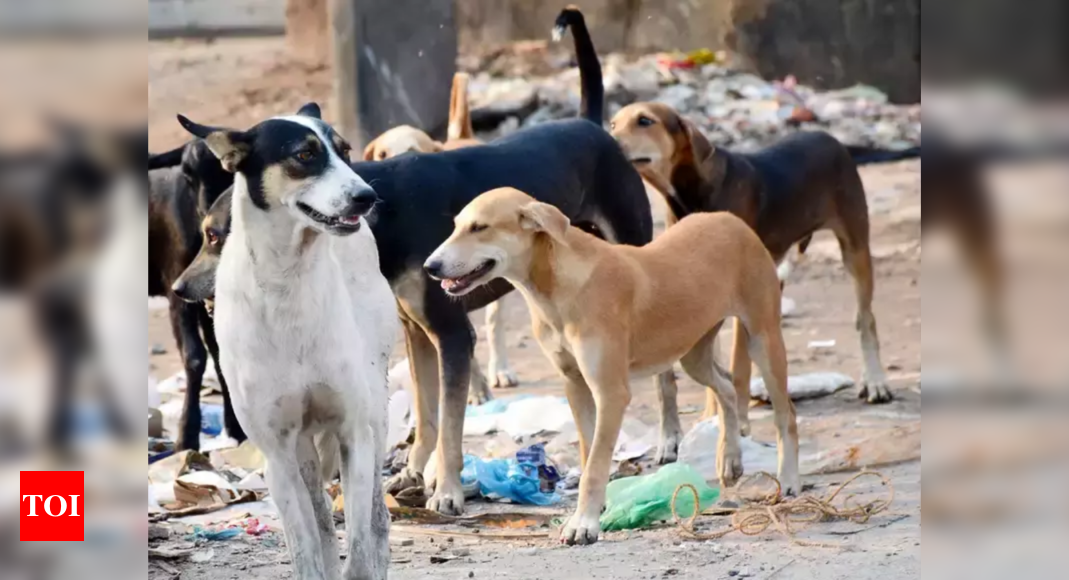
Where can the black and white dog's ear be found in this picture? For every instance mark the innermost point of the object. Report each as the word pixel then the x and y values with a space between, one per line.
pixel 310 110
pixel 229 146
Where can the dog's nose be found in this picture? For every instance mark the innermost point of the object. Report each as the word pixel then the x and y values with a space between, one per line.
pixel 433 267
pixel 361 202
pixel 179 288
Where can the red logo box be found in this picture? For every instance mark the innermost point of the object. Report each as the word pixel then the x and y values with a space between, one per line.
pixel 52 506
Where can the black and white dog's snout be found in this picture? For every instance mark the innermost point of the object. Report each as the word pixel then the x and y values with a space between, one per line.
pixel 360 203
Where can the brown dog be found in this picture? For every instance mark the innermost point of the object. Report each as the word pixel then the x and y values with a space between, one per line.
pixel 786 192
pixel 605 313
pixel 408 138
pixel 460 134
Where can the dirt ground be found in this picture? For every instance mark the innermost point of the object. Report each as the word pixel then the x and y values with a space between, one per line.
pixel 241 81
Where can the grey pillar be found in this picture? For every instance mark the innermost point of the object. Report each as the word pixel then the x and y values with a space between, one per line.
pixel 394 64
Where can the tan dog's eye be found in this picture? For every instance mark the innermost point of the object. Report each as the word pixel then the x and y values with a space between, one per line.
pixel 644 121
pixel 212 238
pixel 476 228
pixel 382 155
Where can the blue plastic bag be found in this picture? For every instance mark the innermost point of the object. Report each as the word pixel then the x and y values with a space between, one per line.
pixel 211 419
pixel 506 479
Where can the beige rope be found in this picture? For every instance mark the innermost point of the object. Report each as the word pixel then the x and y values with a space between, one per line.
pixel 771 509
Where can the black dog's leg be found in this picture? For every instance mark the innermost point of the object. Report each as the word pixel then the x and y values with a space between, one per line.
pixel 194 359
pixel 230 420
pixel 456 344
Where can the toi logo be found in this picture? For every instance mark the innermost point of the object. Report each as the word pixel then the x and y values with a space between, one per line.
pixel 51 506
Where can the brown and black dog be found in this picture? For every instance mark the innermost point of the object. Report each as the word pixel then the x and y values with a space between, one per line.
pixel 786 192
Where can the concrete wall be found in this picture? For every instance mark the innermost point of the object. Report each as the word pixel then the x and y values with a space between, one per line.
pixel 825 43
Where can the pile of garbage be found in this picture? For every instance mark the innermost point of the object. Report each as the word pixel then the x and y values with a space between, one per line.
pixel 732 107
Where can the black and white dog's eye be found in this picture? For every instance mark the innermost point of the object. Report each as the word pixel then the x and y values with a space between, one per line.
pixel 644 121
pixel 345 149
pixel 305 156
pixel 476 228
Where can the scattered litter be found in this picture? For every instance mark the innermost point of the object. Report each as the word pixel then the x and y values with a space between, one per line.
pixel 168 554
pixel 202 556
pixel 896 445
pixel 628 468
pixel 637 502
pixel 158 349
pixel 699 450
pixel 523 417
pixel 787 307
pixel 508 479
pixel 253 527
pixel 214 535
pixel 442 558
pixel 805 386
pixel 822 344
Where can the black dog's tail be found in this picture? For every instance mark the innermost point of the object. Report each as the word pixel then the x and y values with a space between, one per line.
pixel 867 155
pixel 592 106
pixel 172 158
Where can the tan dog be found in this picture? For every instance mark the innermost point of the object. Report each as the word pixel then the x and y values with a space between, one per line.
pixel 407 138
pixel 607 313
pixel 786 192
pixel 460 134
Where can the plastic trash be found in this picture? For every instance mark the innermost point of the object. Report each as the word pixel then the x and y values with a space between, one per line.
pixel 214 535
pixel 211 419
pixel 506 479
pixel 636 502
pixel 699 445
pixel 805 386
pixel 523 416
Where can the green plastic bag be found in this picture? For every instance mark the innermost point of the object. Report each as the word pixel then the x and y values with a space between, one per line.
pixel 636 502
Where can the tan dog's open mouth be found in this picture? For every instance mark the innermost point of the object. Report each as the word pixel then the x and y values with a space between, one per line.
pixel 463 283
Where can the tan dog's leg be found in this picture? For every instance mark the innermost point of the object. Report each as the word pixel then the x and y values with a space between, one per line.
pixel 498 369
pixel 605 369
pixel 858 262
pixel 671 430
pixel 584 411
pixel 740 375
pixel 423 363
pixel 700 364
pixel 770 355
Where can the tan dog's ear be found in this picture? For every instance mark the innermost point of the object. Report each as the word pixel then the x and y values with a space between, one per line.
pixel 369 152
pixel 543 217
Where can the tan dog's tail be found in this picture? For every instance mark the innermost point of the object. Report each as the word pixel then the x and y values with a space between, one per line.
pixel 459 114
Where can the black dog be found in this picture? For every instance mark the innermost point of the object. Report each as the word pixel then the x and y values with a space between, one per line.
pixel 572 164
pixel 184 183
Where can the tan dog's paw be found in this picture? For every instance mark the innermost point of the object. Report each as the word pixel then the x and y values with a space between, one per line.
pixel 874 391
pixel 504 378
pixel 668 448
pixel 407 478
pixel 581 530
pixel 729 466
pixel 447 501
pixel 790 485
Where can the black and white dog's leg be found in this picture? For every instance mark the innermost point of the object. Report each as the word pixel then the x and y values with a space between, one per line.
pixel 310 465
pixel 291 494
pixel 359 472
pixel 479 392
pixel 501 375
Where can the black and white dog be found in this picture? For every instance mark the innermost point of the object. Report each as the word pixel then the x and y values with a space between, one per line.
pixel 305 323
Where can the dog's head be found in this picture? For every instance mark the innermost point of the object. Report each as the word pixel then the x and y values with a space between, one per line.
pixel 197 281
pixel 297 164
pixel 493 236
pixel 204 174
pixel 399 140
pixel 655 137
